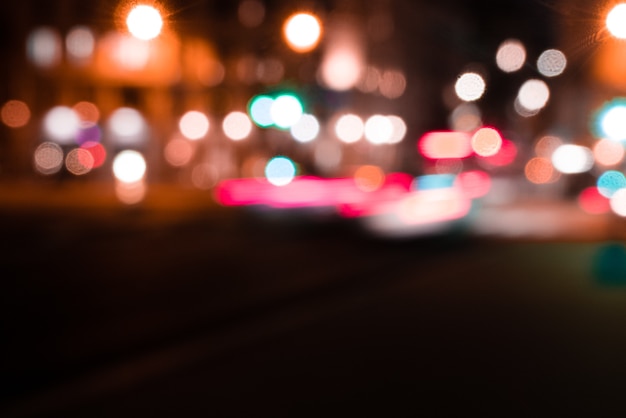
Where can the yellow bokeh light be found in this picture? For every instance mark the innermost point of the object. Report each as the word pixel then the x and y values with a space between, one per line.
pixel 144 22
pixel 302 32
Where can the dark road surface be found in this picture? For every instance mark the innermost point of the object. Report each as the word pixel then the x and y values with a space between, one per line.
pixel 127 313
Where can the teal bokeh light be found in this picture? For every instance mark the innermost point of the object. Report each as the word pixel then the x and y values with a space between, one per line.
pixel 610 182
pixel 610 120
pixel 280 110
pixel 259 110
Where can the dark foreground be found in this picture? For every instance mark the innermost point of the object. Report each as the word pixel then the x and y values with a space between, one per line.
pixel 126 314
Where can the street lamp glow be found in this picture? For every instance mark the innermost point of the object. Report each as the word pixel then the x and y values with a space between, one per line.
pixel 194 125
pixel 286 110
pixel 280 171
pixel 302 32
pixel 616 21
pixel 144 22
pixel 129 166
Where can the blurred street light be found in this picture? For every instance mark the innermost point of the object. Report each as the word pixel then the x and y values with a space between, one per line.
pixel 302 32
pixel 144 22
pixel 616 21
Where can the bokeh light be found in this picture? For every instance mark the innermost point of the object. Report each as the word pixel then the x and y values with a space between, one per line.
pixel 466 117
pixel 434 181
pixel 436 145
pixel 44 47
pixel 533 95
pixel 286 110
pixel 280 171
pixel 539 170
pixel 204 176
pixel 130 53
pixel 87 112
pixel 470 87
pixel 474 183
pixel 130 193
pixel 486 142
pixel 128 126
pixel 237 126
pixel 610 182
pixel 593 202
pixel 251 13
pixel 370 79
pixel 505 156
pixel 609 121
pixel 349 128
pixel 194 125
pixel 15 114
pixel 618 202
pixel 302 31
pixel 97 151
pixel 392 84
pixel 88 133
pixel 144 22
pixel 129 166
pixel 342 67
pixel 61 124
pixel 399 129
pixel 546 146
pixel 259 110
pixel 608 153
pixel 178 152
pixel 79 161
pixel 306 129
pixel 369 178
pixel 80 44
pixel 511 55
pixel 449 166
pixel 616 21
pixel 48 158
pixel 378 129
pixel 551 63
pixel 572 159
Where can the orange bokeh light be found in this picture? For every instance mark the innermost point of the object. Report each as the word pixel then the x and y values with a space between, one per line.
pixel 540 171
pixel 486 142
pixel 436 145
pixel 369 178
pixel 15 114
pixel 302 31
